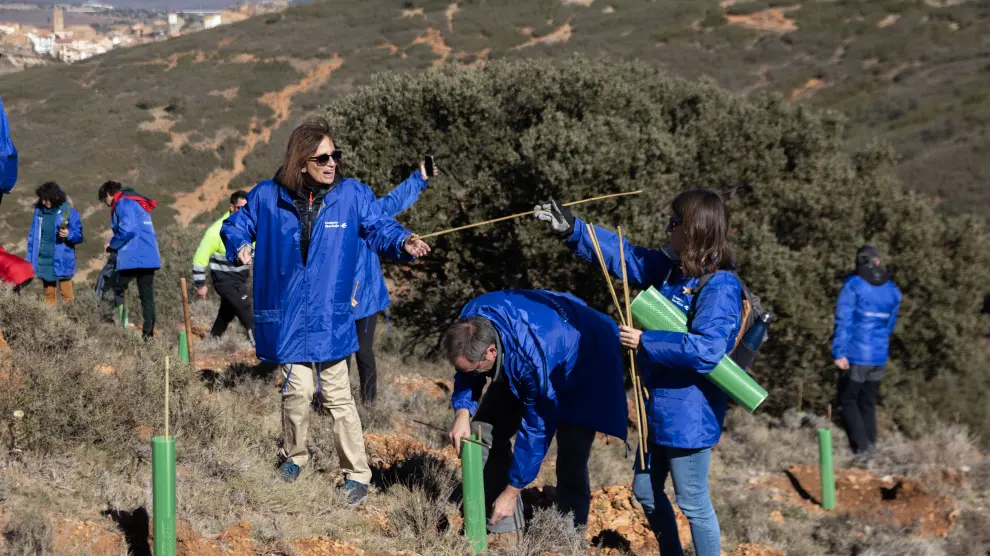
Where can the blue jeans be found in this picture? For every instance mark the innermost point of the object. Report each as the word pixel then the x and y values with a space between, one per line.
pixel 689 470
pixel 642 487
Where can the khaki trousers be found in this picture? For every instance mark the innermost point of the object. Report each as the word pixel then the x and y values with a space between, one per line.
pixel 52 289
pixel 335 395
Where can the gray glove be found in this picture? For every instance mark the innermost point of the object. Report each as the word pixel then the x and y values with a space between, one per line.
pixel 561 218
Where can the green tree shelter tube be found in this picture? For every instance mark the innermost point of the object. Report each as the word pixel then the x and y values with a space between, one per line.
pixel 163 494
pixel 475 528
pixel 825 468
pixel 653 311
pixel 183 347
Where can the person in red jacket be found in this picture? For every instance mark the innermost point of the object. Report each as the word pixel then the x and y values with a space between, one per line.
pixel 15 270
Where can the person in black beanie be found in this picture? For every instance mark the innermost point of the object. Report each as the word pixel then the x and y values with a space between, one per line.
pixel 865 316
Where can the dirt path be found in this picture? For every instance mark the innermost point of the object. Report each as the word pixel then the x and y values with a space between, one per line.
pixel 451 10
pixel 561 34
pixel 434 39
pixel 774 20
pixel 216 187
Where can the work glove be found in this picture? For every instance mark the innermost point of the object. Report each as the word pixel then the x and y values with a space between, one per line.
pixel 561 218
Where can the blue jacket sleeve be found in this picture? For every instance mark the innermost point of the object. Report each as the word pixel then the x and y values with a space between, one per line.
pixel 845 308
pixel 536 430
pixel 75 228
pixel 403 196
pixel 240 228
pixel 643 266
pixel 8 155
pixel 717 314
pixel 467 391
pixel 382 233
pixel 123 225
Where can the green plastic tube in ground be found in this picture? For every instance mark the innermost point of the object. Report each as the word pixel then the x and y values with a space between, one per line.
pixel 825 468
pixel 475 526
pixel 183 347
pixel 163 494
pixel 653 311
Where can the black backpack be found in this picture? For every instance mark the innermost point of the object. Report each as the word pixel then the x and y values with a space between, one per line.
pixel 752 308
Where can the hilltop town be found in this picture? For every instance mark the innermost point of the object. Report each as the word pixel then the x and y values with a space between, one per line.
pixel 34 35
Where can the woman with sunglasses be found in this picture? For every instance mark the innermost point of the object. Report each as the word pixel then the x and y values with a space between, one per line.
pixel 685 411
pixel 308 224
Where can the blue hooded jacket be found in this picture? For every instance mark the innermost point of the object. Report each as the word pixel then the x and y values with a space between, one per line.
pixel 865 316
pixel 370 291
pixel 303 313
pixel 65 249
pixel 561 358
pixel 134 237
pixel 8 155
pixel 685 410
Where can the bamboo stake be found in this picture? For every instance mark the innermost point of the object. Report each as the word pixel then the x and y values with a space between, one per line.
pixel 354 302
pixel 166 397
pixel 608 278
pixel 185 310
pixel 517 215
pixel 828 414
pixel 632 357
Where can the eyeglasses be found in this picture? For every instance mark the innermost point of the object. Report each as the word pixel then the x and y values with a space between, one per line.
pixel 324 159
pixel 674 222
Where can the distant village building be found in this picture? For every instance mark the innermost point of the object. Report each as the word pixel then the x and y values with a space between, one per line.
pixel 42 43
pixel 211 21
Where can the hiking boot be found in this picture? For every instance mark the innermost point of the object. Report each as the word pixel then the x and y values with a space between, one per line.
pixel 289 472
pixel 356 492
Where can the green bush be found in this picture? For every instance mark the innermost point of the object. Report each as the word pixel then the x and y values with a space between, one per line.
pixel 521 132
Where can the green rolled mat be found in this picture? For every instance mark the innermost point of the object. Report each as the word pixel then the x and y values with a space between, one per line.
pixel 163 494
pixel 475 526
pixel 825 469
pixel 653 311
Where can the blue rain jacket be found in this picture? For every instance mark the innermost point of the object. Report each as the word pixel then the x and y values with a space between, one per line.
pixel 65 249
pixel 561 358
pixel 8 155
pixel 865 316
pixel 685 410
pixel 303 314
pixel 134 237
pixel 370 291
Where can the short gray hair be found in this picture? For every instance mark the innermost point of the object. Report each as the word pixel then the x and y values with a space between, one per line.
pixel 469 338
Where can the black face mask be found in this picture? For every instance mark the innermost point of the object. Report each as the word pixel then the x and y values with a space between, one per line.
pixel 871 272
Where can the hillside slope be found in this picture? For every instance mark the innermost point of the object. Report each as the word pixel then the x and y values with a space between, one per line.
pixel 189 119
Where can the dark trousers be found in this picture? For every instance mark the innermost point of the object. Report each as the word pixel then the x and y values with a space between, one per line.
pixel 499 414
pixel 858 390
pixel 118 283
pixel 365 356
pixel 235 302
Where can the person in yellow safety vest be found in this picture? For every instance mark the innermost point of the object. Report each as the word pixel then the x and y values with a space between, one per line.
pixel 230 279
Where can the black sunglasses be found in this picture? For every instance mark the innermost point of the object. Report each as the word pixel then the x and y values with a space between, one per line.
pixel 324 159
pixel 674 222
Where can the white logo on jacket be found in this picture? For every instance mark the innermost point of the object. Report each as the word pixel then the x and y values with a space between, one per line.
pixel 335 224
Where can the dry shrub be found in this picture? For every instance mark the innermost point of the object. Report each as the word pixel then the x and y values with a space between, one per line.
pixel 549 532
pixel 29 532
pixel 67 402
pixel 943 447
pixel 422 517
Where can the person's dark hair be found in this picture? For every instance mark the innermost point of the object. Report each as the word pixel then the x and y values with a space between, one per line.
pixel 303 142
pixel 109 188
pixel 706 232
pixel 468 337
pixel 237 196
pixel 51 192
